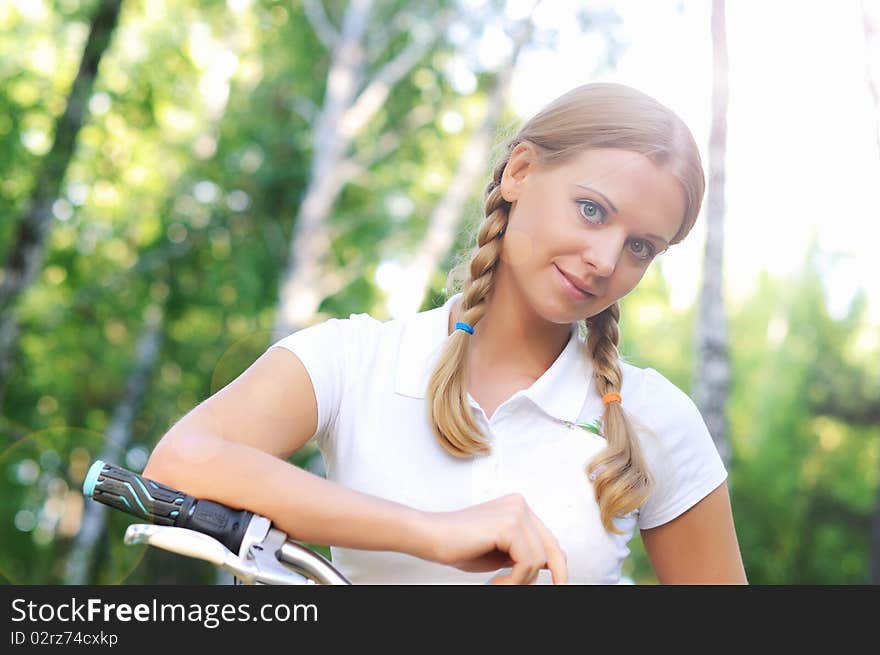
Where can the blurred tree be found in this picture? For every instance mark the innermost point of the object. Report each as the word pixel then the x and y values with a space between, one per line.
pixel 85 544
pixel 25 257
pixel 805 481
pixel 413 280
pixel 96 294
pixel 358 85
pixel 711 384
pixel 847 397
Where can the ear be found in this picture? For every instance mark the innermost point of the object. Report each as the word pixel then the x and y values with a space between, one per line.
pixel 521 161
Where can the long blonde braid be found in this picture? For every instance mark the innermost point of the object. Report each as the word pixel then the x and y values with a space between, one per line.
pixel 448 409
pixel 620 476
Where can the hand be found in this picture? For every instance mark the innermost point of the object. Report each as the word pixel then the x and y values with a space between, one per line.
pixel 495 534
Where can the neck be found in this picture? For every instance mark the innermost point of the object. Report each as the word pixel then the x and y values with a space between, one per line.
pixel 512 338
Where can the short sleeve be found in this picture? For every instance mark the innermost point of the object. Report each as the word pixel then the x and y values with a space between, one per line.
pixel 681 454
pixel 320 349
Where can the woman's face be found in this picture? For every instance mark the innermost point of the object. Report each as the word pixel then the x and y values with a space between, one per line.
pixel 600 219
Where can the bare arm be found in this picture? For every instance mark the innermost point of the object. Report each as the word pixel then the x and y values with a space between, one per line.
pixel 231 449
pixel 699 546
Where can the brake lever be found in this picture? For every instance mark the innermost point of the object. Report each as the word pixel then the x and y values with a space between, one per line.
pixel 190 543
pixel 266 555
pixel 278 558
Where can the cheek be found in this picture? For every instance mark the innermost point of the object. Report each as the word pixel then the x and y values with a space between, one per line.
pixel 518 248
pixel 627 281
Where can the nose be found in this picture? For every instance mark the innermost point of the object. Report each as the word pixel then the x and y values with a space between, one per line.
pixel 603 250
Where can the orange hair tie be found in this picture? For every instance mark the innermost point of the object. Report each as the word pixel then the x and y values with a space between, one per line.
pixel 612 397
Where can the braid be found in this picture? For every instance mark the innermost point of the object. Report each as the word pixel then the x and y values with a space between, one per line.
pixel 621 478
pixel 602 339
pixel 448 409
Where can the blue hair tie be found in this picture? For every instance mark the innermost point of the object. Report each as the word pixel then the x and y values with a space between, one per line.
pixel 461 325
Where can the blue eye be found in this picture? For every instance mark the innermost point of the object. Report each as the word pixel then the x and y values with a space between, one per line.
pixel 593 211
pixel 645 251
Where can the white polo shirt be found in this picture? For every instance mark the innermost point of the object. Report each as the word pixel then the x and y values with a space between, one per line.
pixel 373 432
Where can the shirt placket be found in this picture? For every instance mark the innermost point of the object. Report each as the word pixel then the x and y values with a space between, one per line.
pixel 485 480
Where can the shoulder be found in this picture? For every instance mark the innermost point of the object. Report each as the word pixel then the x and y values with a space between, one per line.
pixel 365 325
pixel 680 453
pixel 373 333
pixel 336 341
pixel 357 327
pixel 363 335
pixel 365 321
pixel 657 402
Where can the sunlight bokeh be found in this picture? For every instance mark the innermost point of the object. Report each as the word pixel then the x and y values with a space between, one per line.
pixel 802 150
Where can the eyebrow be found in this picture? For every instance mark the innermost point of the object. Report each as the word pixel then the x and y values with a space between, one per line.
pixel 599 193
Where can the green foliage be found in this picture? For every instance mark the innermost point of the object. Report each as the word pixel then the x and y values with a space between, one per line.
pixel 803 481
pixel 175 203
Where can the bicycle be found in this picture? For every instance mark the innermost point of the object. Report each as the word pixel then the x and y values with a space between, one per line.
pixel 236 540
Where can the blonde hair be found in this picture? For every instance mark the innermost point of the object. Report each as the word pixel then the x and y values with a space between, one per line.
pixel 599 115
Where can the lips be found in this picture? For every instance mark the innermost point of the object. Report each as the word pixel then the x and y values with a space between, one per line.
pixel 577 283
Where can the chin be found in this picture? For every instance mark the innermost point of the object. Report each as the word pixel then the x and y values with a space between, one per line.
pixel 560 312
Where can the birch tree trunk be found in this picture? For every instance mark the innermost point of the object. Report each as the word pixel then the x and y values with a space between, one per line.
pixel 28 246
pixel 409 291
pixel 83 550
pixel 713 370
pixel 350 102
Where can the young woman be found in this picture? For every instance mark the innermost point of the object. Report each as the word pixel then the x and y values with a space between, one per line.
pixel 501 435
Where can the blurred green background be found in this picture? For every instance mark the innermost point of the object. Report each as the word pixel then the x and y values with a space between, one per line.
pixel 169 167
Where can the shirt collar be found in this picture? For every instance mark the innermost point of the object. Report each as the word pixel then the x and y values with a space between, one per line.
pixel 560 392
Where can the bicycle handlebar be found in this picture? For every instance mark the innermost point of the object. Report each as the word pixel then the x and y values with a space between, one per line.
pixel 237 540
pixel 122 489
pixel 244 543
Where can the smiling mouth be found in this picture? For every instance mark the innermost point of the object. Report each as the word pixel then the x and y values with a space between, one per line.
pixel 573 288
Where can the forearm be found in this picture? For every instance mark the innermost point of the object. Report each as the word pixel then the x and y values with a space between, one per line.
pixel 305 506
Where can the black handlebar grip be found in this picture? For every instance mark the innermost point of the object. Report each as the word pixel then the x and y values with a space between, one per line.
pixel 122 489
